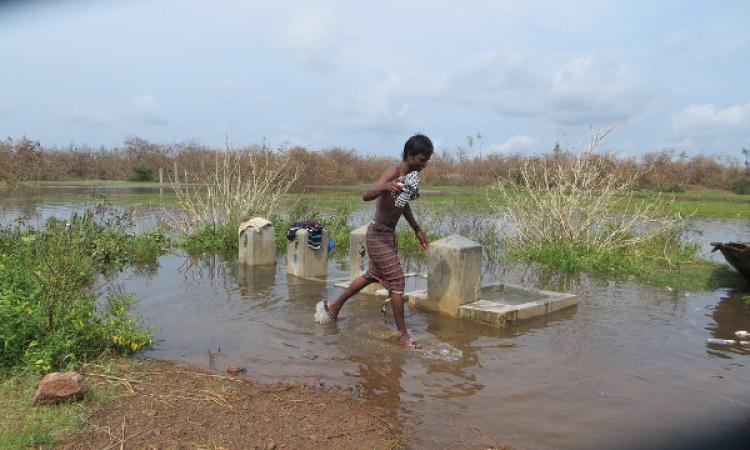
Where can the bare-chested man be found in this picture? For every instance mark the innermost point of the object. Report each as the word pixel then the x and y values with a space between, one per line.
pixel 384 267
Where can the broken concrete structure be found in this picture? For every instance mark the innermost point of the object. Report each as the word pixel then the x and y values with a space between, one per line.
pixel 453 274
pixel 304 261
pixel 257 244
pixel 453 288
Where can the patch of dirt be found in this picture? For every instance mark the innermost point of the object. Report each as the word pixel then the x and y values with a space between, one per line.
pixel 158 404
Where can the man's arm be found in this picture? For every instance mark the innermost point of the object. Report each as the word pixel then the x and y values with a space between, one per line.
pixel 410 218
pixel 387 182
pixel 423 242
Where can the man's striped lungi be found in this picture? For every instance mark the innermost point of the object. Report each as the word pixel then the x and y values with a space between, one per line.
pixel 385 268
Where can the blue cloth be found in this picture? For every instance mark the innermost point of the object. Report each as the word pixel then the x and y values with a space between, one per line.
pixel 314 232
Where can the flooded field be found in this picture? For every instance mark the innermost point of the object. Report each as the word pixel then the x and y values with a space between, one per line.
pixel 629 367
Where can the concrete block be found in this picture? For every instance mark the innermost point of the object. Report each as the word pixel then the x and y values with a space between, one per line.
pixel 359 258
pixel 501 305
pixel 305 262
pixel 257 244
pixel 454 272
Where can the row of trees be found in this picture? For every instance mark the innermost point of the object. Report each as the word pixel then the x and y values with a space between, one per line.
pixel 137 158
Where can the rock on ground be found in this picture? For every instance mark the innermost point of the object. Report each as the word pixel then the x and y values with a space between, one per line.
pixel 59 387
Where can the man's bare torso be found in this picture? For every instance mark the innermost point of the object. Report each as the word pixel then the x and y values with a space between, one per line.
pixel 386 211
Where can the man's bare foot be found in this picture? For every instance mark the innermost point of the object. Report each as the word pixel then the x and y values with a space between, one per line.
pixel 332 310
pixel 405 340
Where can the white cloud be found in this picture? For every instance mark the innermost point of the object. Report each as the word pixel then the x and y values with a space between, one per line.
pixel 515 144
pixel 381 109
pixel 707 119
pixel 587 90
pixel 581 91
pixel 311 37
pixel 147 110
pixel 501 80
pixel 80 115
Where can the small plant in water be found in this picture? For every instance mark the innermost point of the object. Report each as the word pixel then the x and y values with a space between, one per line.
pixel 245 183
pixel 572 211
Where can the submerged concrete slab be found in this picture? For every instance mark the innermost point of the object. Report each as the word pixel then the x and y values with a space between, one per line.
pixel 504 304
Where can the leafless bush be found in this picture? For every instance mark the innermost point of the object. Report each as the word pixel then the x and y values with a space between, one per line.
pixel 580 199
pixel 244 183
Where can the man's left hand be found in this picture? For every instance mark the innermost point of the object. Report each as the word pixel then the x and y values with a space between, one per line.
pixel 423 242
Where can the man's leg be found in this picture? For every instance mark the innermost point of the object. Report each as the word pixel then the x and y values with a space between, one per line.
pixel 357 285
pixel 397 303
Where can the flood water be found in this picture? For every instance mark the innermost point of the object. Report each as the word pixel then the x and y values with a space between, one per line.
pixel 629 367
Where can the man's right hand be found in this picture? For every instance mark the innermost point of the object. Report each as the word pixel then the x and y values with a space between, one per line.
pixel 395 186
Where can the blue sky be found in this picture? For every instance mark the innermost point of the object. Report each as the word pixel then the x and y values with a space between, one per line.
pixel 365 75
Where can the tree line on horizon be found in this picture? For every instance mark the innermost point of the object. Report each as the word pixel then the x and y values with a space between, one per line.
pixel 139 159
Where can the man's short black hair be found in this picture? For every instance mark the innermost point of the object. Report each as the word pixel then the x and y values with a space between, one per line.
pixel 418 144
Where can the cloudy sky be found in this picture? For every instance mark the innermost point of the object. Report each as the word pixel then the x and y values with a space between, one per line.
pixel 365 75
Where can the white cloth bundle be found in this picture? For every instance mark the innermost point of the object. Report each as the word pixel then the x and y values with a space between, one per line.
pixel 411 189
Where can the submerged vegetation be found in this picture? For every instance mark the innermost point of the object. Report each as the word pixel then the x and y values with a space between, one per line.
pixel 243 184
pixel 53 314
pixel 576 214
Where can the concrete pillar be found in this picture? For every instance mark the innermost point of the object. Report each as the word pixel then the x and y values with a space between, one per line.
pixel 359 258
pixel 257 242
pixel 453 274
pixel 305 262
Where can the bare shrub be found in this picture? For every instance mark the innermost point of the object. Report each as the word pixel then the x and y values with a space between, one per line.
pixel 579 198
pixel 244 183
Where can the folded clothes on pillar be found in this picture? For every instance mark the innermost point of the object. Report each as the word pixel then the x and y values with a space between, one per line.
pixel 411 189
pixel 314 232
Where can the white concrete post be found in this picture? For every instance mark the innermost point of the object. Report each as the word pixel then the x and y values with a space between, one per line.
pixel 303 261
pixel 359 259
pixel 257 242
pixel 453 274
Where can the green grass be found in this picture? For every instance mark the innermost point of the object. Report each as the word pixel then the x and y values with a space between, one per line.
pixel 647 263
pixel 705 203
pixel 90 183
pixel 23 425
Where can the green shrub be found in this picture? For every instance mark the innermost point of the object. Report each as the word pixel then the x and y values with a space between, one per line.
pixel 209 238
pixel 49 314
pixel 741 185
pixel 670 187
pixel 142 173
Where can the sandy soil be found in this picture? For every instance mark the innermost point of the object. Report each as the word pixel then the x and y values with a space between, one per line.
pixel 158 404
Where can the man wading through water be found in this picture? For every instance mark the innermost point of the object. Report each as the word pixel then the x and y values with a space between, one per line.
pixel 393 191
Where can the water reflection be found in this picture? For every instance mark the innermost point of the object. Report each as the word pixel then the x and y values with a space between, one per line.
pixel 729 315
pixel 254 280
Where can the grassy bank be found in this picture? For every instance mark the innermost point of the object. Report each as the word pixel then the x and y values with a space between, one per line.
pixel 23 425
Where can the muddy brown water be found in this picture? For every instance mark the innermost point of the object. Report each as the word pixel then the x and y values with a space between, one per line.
pixel 629 367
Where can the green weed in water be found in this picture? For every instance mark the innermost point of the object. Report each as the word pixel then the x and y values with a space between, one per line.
pixel 48 303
